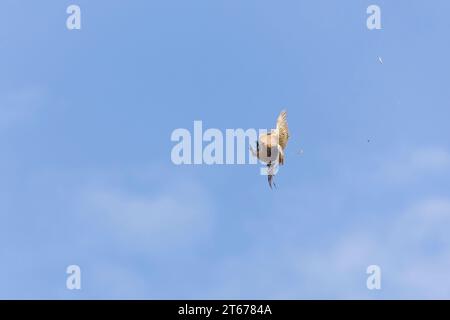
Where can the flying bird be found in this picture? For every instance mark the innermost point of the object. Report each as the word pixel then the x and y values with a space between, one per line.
pixel 270 147
pixel 380 60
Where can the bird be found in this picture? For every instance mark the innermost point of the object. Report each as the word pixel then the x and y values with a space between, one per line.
pixel 270 147
pixel 380 60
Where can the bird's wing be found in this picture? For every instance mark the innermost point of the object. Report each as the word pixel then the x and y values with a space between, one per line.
pixel 282 129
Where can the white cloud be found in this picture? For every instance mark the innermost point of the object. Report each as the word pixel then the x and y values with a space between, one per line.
pixel 153 221
pixel 131 233
pixel 416 163
pixel 411 249
pixel 434 158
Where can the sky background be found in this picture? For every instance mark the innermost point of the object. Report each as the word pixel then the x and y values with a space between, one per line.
pixel 86 176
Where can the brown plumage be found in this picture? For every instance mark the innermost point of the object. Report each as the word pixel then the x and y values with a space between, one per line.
pixel 270 147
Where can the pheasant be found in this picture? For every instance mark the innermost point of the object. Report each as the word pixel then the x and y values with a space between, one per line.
pixel 270 147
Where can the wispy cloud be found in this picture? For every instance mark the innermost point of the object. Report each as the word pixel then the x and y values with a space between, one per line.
pixel 125 239
pixel 417 163
pixel 411 251
pixel 149 221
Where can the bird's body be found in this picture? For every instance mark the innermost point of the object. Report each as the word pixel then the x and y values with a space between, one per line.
pixel 270 147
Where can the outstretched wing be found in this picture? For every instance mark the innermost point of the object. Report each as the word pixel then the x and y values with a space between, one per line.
pixel 282 129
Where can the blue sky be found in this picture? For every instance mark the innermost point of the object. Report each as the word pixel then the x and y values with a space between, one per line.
pixel 86 175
